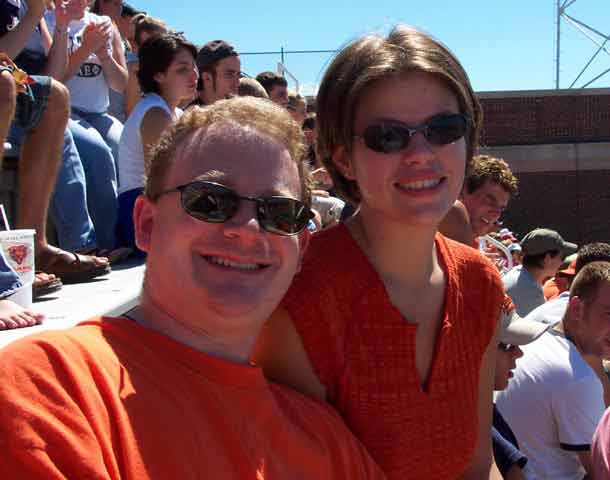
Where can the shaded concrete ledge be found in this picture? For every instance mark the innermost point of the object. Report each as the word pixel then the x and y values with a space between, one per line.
pixel 554 157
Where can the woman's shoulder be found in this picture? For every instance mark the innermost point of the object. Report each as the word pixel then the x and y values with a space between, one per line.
pixel 465 260
pixel 332 253
pixel 333 272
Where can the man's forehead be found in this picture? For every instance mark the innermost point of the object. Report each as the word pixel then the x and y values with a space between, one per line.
pixel 225 151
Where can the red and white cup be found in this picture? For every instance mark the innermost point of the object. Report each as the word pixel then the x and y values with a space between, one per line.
pixel 18 249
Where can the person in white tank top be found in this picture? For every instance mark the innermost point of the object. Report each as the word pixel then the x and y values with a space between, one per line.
pixel 168 76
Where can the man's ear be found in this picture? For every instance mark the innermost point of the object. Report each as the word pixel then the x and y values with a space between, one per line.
pixel 576 307
pixel 343 162
pixel 144 212
pixel 304 238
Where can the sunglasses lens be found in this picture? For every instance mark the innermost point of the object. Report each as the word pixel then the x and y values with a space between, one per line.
pixel 445 129
pixel 210 203
pixel 386 137
pixel 283 216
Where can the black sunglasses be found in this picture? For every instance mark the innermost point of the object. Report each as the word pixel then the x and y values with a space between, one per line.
pixel 394 136
pixel 215 203
pixel 506 347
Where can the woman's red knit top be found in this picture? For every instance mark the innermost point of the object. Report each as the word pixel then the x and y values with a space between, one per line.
pixel 363 351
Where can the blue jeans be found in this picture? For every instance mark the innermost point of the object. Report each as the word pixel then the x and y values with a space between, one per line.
pixel 68 206
pixel 68 209
pixel 9 280
pixel 125 230
pixel 96 137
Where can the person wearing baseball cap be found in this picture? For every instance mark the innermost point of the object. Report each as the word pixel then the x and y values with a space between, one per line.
pixel 219 72
pixel 514 331
pixel 543 251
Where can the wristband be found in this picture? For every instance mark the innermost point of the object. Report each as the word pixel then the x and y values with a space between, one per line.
pixel 60 30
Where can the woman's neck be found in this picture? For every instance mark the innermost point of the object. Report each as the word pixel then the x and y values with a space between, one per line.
pixel 403 254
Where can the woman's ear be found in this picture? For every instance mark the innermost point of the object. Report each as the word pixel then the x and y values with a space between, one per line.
pixel 342 160
pixel 158 77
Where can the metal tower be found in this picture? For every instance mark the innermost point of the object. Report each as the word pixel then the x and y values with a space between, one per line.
pixel 595 36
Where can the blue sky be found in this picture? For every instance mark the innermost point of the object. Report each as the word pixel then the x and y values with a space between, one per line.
pixel 504 45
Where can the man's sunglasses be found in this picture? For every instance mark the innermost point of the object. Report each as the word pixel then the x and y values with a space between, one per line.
pixel 393 136
pixel 506 347
pixel 215 203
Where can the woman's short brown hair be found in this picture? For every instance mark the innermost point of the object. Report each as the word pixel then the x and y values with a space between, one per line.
pixel 374 58
pixel 259 114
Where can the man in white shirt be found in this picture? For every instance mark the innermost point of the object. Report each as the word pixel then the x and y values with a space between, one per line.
pixel 555 400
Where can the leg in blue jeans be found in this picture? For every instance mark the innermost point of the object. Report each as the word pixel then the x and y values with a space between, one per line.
pixel 68 209
pixel 68 206
pixel 107 126
pixel 98 163
pixel 9 280
pixel 126 235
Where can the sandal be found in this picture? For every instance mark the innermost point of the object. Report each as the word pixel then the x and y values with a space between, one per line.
pixel 114 255
pixel 70 266
pixel 45 284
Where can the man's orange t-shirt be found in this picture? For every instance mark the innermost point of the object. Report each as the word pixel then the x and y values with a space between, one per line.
pixel 110 399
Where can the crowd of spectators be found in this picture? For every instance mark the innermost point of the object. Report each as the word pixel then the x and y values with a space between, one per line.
pixel 115 113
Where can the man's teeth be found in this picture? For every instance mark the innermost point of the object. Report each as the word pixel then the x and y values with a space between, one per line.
pixel 228 263
pixel 421 184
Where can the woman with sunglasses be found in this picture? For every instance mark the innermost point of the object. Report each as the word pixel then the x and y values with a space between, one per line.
pixel 168 76
pixel 389 321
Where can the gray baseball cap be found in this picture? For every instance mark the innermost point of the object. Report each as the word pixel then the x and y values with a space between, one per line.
pixel 543 240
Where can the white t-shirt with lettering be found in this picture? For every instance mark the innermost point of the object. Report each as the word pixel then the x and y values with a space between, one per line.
pixel 88 88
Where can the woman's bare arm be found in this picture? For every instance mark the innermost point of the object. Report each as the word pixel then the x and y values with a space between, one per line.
pixel 482 465
pixel 282 355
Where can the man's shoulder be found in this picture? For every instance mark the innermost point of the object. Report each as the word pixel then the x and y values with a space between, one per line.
pixel 45 348
pixel 313 416
pixel 555 361
pixel 468 261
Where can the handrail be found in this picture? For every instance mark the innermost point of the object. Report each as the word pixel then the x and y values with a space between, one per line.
pixel 500 246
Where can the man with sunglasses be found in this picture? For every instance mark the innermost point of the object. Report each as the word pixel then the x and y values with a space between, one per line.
pixel 488 187
pixel 514 332
pixel 168 391
pixel 555 399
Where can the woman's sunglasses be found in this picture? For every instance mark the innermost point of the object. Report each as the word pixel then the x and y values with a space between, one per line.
pixel 214 203
pixel 394 136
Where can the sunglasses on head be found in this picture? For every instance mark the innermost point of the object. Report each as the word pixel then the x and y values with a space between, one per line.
pixel 215 203
pixel 392 136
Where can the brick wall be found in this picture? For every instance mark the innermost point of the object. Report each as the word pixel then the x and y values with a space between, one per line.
pixel 575 203
pixel 543 117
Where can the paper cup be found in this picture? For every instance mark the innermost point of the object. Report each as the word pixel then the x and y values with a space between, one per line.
pixel 18 249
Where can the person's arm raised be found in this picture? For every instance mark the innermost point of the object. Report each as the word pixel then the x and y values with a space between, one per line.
pixel 281 353
pixel 132 92
pixel 482 465
pixel 94 38
pixel 114 66
pixel 13 41
pixel 57 61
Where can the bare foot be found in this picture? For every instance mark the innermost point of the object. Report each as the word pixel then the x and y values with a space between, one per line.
pixel 13 315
